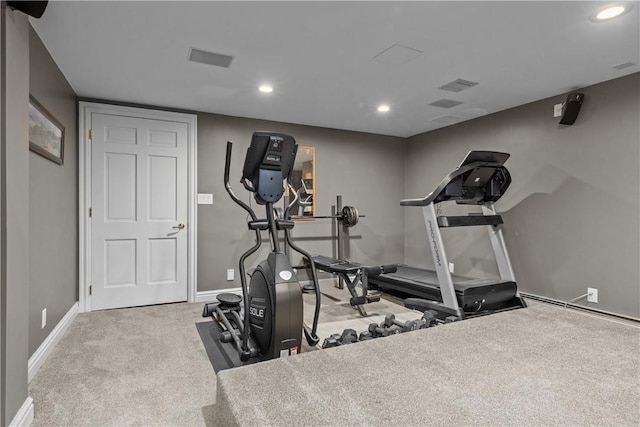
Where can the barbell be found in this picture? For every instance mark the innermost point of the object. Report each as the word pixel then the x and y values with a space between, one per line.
pixel 349 216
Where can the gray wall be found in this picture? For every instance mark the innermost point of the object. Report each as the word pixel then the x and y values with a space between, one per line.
pixel 3 108
pixel 14 193
pixel 53 206
pixel 367 170
pixel 3 245
pixel 572 215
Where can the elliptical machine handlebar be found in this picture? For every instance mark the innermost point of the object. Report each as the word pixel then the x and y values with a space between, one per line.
pixel 310 335
pixel 244 350
pixel 227 185
pixel 292 202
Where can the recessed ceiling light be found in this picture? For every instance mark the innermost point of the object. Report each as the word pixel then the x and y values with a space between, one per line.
pixel 266 88
pixel 383 108
pixel 610 11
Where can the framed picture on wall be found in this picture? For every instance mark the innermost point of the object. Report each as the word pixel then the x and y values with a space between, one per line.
pixel 46 134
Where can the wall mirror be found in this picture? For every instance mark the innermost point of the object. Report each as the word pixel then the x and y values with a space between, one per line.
pixel 303 181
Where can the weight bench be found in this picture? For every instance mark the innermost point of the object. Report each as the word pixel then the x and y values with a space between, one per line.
pixel 354 274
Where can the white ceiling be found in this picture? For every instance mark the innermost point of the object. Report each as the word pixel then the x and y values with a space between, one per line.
pixel 319 56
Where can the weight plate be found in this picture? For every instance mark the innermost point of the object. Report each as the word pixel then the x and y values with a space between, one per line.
pixel 350 216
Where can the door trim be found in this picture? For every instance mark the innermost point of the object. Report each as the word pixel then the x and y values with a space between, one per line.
pixel 85 109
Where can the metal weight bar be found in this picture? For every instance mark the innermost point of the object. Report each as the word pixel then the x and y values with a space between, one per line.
pixel 349 216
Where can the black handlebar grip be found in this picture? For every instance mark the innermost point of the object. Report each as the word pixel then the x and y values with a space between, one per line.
pixel 227 162
pixel 391 268
pixel 382 269
pixel 373 271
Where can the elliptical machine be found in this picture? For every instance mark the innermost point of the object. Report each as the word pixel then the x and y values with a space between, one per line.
pixel 270 323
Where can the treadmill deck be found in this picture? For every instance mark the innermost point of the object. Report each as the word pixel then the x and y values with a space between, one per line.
pixel 471 293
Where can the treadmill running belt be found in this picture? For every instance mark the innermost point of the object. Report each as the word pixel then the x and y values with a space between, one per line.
pixel 471 293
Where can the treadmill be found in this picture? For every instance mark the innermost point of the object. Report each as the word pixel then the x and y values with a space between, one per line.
pixel 481 179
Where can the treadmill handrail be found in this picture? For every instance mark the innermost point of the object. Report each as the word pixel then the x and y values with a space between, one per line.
pixel 434 196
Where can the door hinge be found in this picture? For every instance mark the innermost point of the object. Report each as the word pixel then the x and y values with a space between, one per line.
pixel 91 134
pixel 90 212
pixel 90 290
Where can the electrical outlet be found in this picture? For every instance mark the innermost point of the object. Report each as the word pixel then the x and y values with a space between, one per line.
pixel 451 267
pixel 230 274
pixel 44 318
pixel 592 295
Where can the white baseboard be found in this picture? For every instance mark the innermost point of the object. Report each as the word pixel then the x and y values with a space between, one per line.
pixel 577 306
pixel 42 353
pixel 24 417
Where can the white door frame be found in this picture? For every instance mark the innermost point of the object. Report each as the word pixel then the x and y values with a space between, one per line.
pixel 85 109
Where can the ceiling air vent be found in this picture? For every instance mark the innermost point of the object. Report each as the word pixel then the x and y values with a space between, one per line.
pixel 445 120
pixel 210 58
pixel 625 65
pixel 445 103
pixel 458 85
pixel 397 55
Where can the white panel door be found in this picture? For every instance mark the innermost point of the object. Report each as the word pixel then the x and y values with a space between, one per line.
pixel 139 204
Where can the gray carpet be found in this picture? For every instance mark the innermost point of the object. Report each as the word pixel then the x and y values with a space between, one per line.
pixel 540 366
pixel 138 366
pixel 147 366
pixel 543 365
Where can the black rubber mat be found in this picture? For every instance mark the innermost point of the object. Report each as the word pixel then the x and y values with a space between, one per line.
pixel 221 355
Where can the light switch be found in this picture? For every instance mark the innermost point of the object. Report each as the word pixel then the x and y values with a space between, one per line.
pixel 205 199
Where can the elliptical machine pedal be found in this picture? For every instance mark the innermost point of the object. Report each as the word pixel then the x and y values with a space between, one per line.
pixel 229 300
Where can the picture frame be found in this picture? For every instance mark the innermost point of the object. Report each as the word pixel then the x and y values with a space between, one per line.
pixel 46 134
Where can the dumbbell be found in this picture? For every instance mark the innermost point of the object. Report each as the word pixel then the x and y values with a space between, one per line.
pixel 349 336
pixel 390 320
pixel 421 324
pixel 381 331
pixel 430 318
pixel 333 341
pixel 365 336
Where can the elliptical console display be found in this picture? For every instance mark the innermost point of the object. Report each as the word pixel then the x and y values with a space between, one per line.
pixel 268 162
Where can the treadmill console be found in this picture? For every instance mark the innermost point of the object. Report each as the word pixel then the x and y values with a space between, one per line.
pixel 480 178
pixel 485 156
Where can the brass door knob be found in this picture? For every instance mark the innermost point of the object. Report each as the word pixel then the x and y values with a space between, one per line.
pixel 180 226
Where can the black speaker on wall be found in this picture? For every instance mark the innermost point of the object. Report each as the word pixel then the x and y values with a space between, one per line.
pixel 571 108
pixel 31 8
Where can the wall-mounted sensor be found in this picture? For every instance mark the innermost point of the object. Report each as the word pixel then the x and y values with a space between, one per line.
pixel 571 108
